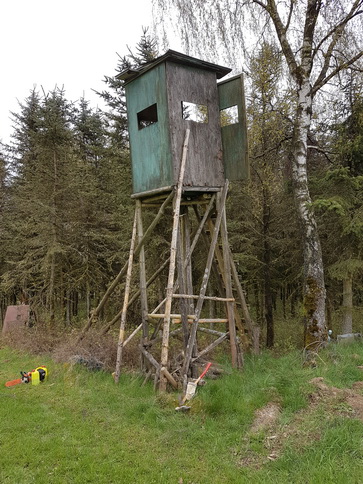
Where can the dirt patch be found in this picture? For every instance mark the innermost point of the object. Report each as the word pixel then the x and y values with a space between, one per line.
pixel 265 418
pixel 352 397
pixel 267 439
pixel 262 435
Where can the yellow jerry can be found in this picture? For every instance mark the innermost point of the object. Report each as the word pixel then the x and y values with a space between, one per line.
pixel 39 375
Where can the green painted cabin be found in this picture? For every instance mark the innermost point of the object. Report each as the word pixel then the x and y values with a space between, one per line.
pixel 164 97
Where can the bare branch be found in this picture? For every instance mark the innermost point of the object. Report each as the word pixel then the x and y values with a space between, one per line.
pixel 261 4
pixel 321 82
pixel 328 55
pixel 271 8
pixel 354 11
pixel 274 148
pixel 290 15
pixel 321 150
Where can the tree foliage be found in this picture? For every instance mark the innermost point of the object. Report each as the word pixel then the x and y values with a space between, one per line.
pixel 318 41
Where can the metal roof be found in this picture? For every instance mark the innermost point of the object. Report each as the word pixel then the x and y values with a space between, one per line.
pixel 130 74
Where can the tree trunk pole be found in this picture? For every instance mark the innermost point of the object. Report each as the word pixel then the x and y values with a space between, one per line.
pixel 314 287
pixel 143 284
pixel 126 300
pixel 189 281
pixel 199 306
pixel 173 248
pixel 183 303
pixel 236 361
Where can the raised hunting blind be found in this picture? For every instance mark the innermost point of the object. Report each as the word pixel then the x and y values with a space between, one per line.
pixel 188 138
pixel 170 94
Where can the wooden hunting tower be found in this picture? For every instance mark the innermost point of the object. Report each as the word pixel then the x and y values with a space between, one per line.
pixel 188 138
pixel 170 94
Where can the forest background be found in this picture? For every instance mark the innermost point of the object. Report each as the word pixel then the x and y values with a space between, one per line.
pixel 66 212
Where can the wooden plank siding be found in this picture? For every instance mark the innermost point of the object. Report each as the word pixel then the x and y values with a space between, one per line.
pixel 150 147
pixel 234 136
pixel 189 84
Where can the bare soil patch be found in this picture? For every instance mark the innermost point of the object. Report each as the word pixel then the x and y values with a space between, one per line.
pixel 352 397
pixel 270 436
pixel 266 418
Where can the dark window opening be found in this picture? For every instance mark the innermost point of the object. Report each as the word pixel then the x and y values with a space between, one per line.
pixel 147 116
pixel 195 112
pixel 229 116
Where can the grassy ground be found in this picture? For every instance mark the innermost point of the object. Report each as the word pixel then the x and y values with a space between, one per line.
pixel 79 427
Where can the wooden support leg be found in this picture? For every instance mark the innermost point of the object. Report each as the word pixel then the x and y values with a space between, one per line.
pixel 236 362
pixel 126 299
pixel 173 248
pixel 143 293
pixel 184 303
pixel 220 261
pixel 207 242
pixel 198 309
pixel 190 252
pixel 189 282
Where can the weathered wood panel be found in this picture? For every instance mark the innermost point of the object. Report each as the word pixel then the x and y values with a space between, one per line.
pixel 188 84
pixel 234 136
pixel 150 146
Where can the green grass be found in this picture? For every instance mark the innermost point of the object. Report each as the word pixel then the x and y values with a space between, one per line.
pixel 79 427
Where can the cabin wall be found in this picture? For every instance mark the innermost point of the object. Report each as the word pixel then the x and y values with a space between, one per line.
pixel 150 146
pixel 204 162
pixel 234 135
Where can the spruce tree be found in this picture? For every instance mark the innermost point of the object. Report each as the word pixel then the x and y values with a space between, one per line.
pixel 44 152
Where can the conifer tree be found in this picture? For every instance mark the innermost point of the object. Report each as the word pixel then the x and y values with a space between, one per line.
pixel 44 153
pixel 103 188
pixel 339 201
pixel 114 95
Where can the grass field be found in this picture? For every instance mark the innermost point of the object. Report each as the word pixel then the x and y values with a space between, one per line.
pixel 79 427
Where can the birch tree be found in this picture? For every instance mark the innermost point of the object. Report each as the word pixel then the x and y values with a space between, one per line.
pixel 318 40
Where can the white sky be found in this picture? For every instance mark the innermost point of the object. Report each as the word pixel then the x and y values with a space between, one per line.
pixel 72 43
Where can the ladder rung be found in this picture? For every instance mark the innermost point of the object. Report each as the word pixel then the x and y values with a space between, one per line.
pixel 202 320
pixel 209 298
pixel 172 316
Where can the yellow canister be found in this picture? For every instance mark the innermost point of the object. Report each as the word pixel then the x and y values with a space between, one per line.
pixel 35 377
pixel 39 374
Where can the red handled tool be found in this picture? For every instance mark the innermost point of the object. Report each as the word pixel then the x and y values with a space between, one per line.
pixel 192 388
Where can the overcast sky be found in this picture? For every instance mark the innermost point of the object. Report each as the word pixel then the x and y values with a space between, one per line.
pixel 72 43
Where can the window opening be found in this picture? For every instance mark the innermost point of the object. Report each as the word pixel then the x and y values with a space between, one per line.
pixel 147 116
pixel 229 116
pixel 195 112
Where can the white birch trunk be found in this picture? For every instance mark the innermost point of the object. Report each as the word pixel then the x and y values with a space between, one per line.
pixel 314 288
